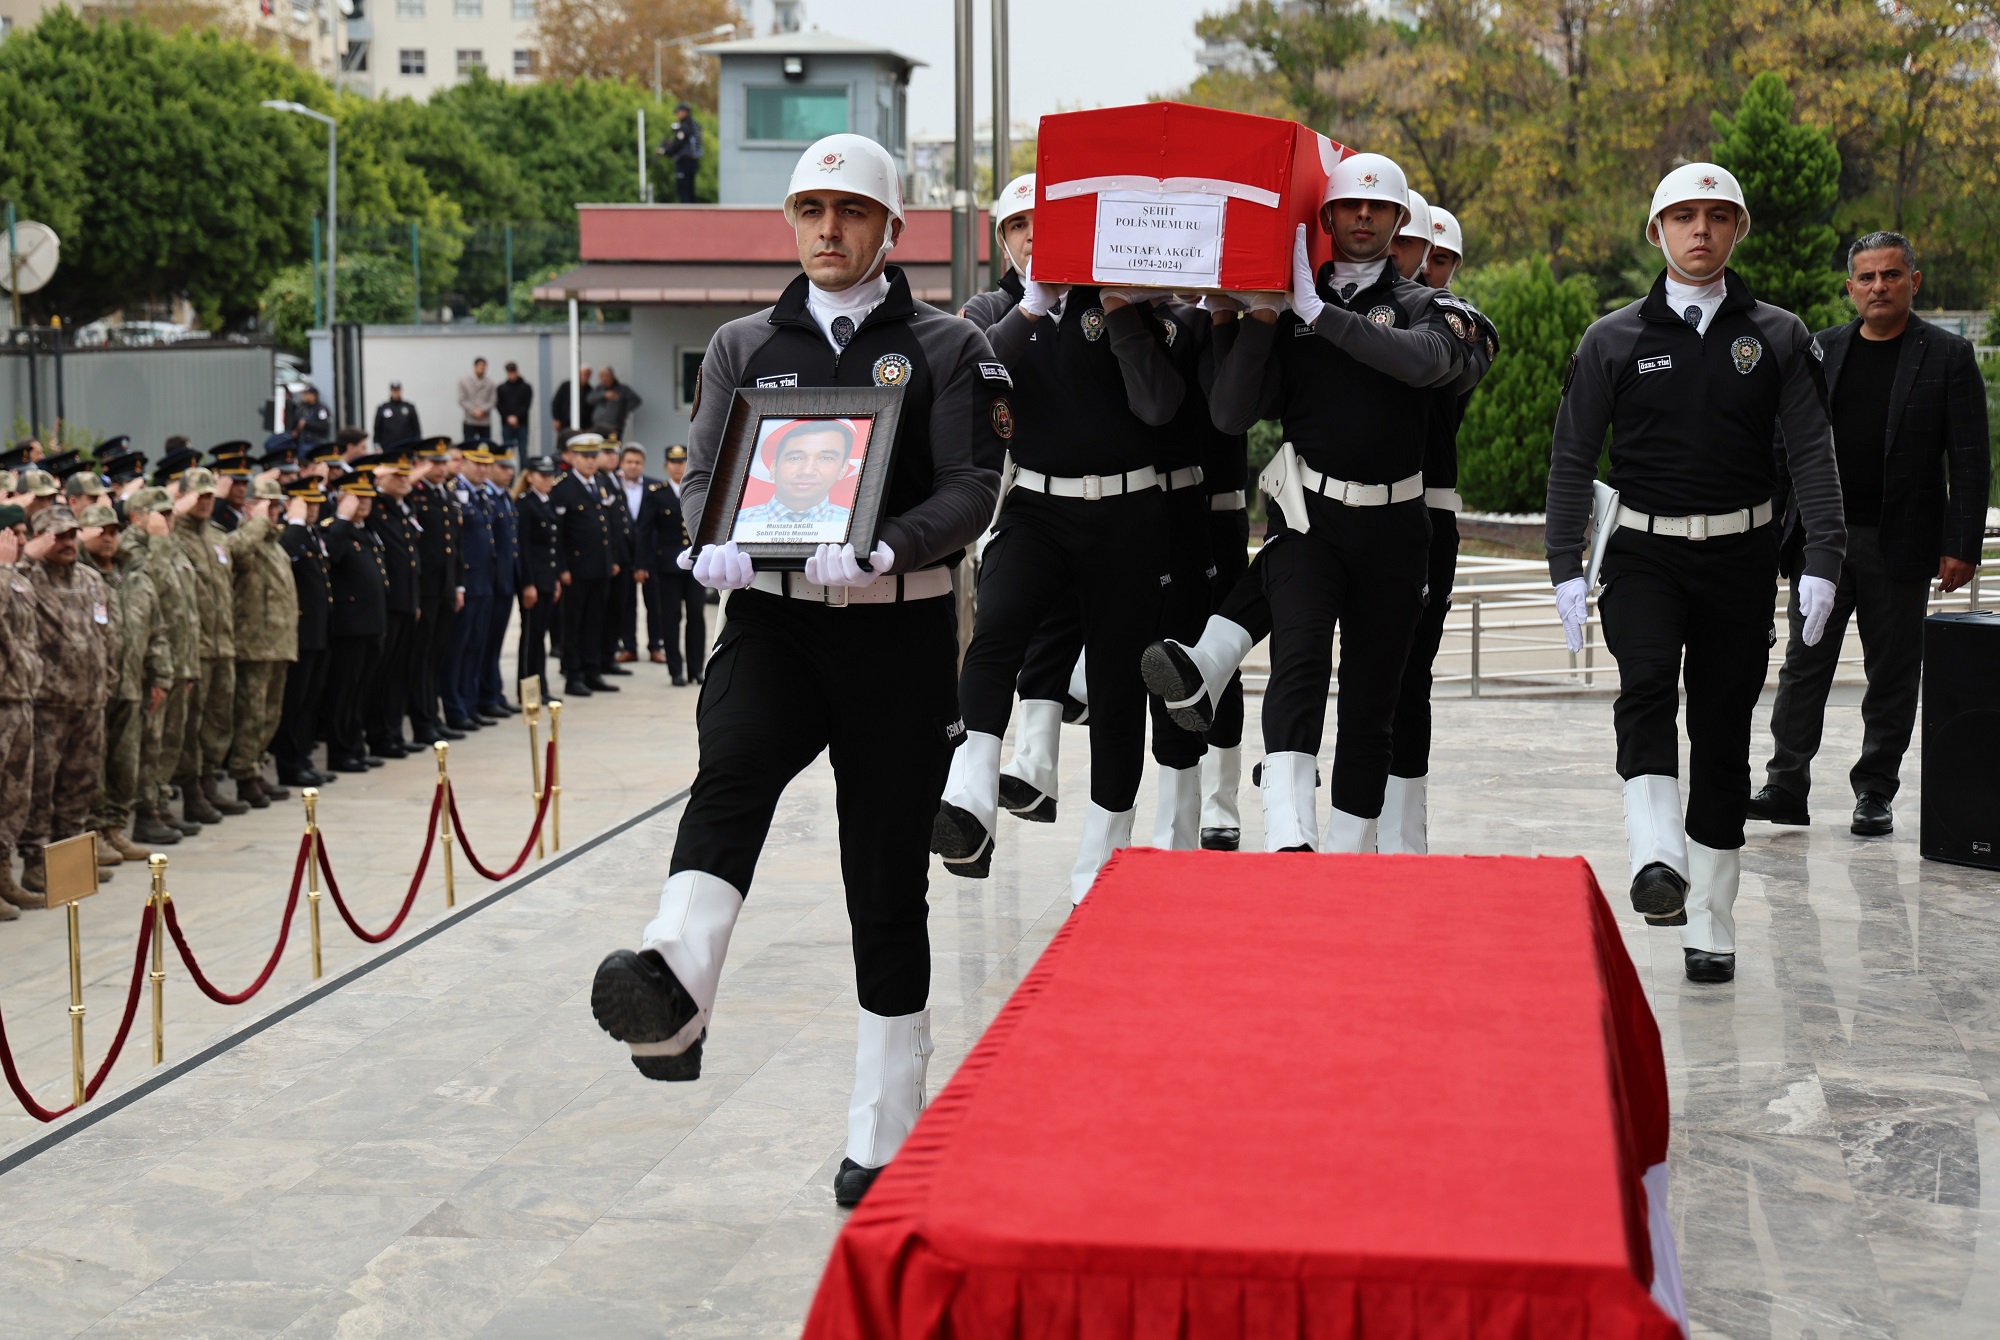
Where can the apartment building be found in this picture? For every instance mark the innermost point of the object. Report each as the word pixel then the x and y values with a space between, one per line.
pixel 412 48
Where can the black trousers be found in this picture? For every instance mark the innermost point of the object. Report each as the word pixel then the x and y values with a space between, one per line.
pixel 395 685
pixel 531 652
pixel 298 721
pixel 616 589
pixel 350 671
pixel 677 593
pixel 1694 612
pixel 1050 664
pixel 769 708
pixel 1360 569
pixel 585 608
pixel 1109 557
pixel 1891 610
pixel 433 638
pixel 1411 754
pixel 626 597
pixel 1229 549
pixel 1185 599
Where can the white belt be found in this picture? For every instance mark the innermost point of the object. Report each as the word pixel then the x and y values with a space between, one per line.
pixel 1444 500
pixel 1089 487
pixel 1697 527
pixel 1349 494
pixel 1228 502
pixel 924 584
pixel 1185 478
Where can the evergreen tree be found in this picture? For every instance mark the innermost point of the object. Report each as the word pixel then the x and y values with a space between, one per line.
pixel 1503 453
pixel 1790 175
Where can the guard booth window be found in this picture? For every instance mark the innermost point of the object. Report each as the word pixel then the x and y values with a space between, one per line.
pixel 795 115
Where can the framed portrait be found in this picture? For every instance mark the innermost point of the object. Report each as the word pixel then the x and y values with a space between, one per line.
pixel 801 466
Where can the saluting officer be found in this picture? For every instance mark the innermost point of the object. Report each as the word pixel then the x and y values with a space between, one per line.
pixel 359 619
pixel 589 563
pixel 538 569
pixel 624 558
pixel 394 692
pixel 879 625
pixel 305 687
pixel 506 562
pixel 1693 382
pixel 476 587
pixel 439 563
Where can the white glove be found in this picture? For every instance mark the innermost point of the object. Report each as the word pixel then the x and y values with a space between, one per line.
pixel 1266 302
pixel 1223 302
pixel 1573 605
pixel 722 567
pixel 1037 298
pixel 836 565
pixel 1305 294
pixel 1815 604
pixel 1138 297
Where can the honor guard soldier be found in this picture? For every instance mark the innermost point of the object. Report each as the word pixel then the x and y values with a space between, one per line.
pixel 1698 384
pixel 305 685
pixel 589 564
pixel 538 569
pixel 878 624
pixel 1084 519
pixel 396 678
pixel 438 600
pixel 1349 370
pixel 1447 249
pixel 356 627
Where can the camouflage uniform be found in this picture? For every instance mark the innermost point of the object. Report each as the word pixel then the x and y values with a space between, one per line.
pixel 78 650
pixel 178 591
pixel 213 703
pixel 20 677
pixel 267 641
pixel 145 661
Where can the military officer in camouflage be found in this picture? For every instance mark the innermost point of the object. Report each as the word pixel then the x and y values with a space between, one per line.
pixel 205 748
pixel 20 676
pixel 152 510
pixel 145 665
pixel 77 648
pixel 267 634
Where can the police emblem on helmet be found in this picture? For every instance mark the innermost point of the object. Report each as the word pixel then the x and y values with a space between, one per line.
pixel 1003 418
pixel 832 161
pixel 1370 179
pixel 892 370
pixel 1093 324
pixel 1746 350
pixel 1385 315
pixel 1708 181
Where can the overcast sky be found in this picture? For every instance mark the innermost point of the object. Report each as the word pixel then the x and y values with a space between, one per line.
pixel 1066 53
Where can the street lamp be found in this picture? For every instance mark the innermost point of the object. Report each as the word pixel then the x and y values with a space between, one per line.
pixel 662 43
pixel 332 132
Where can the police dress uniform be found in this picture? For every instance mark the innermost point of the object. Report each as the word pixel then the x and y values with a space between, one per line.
pixel 679 594
pixel 305 687
pixel 438 568
pixel 492 696
pixel 624 547
pixel 467 647
pixel 355 629
pixel 538 568
pixel 397 685
pixel 587 559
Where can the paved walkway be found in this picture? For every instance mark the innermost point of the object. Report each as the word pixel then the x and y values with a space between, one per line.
pixel 447 1146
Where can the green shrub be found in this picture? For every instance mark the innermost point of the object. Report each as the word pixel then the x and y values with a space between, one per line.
pixel 1503 445
pixel 1790 174
pixel 369 288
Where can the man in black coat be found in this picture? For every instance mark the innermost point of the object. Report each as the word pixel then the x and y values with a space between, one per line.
pixel 537 568
pixel 359 618
pixel 390 520
pixel 438 599
pixel 307 419
pixel 590 562
pixel 1909 426
pixel 673 590
pixel 396 421
pixel 638 498
pixel 298 722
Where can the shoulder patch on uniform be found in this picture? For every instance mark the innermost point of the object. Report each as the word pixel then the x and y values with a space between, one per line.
pixel 1569 373
pixel 892 370
pixel 1658 363
pixel 1745 351
pixel 1173 331
pixel 1814 347
pixel 1459 325
pixel 996 372
pixel 1003 418
pixel 781 379
pixel 1382 315
pixel 1093 324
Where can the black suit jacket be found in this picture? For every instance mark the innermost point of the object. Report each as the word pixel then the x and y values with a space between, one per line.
pixel 391 522
pixel 303 545
pixel 588 543
pixel 540 558
pixel 1937 435
pixel 360 587
pixel 650 532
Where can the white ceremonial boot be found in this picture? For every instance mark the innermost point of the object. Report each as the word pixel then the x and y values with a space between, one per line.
pixel 1028 780
pixel 663 1017
pixel 1103 833
pixel 1708 940
pixel 1657 845
pixel 1404 817
pixel 1350 833
pixel 1191 678
pixel 968 814
pixel 1221 783
pixel 891 1056
pixel 1291 820
pixel 1177 822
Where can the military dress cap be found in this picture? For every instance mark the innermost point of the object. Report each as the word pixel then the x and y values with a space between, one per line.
pixel 360 485
pixel 38 482
pixel 17 455
pixel 280 458
pixel 12 515
pixel 112 445
pixel 152 498
pixel 434 448
pixel 198 479
pixel 368 462
pixel 122 465
pixel 55 521
pixel 677 453
pixel 100 514
pixel 85 484
pixel 477 451
pixel 175 464
pixel 543 465
pixel 584 443
pixel 307 490
pixel 63 464
pixel 399 459
pixel 320 451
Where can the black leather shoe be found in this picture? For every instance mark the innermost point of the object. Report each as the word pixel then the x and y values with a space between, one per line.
pixel 1661 894
pixel 1023 801
pixel 637 999
pixel 347 765
pixel 389 749
pixel 680 681
pixel 1221 839
pixel 614 669
pixel 697 676
pixel 499 709
pixel 1872 815
pixel 447 733
pixel 1703 966
pixel 372 761
pixel 1776 805
pixel 486 720
pixel 597 685
pixel 963 841
pixel 851 1183
pixel 463 725
pixel 325 778
pixel 298 776
pixel 576 688
pixel 1171 673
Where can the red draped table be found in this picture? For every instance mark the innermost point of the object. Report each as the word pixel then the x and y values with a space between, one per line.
pixel 1291 1095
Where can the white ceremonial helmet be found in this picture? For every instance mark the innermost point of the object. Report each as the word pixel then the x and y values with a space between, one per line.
pixel 1697 181
pixel 1368 177
pixel 1445 231
pixel 1018 198
pixel 853 164
pixel 1418 225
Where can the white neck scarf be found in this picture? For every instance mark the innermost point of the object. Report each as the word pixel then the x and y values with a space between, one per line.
pixel 854 303
pixel 1361 274
pixel 1707 297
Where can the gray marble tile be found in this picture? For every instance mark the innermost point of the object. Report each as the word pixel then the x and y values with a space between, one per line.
pixel 214 1310
pixel 307 1239
pixel 427 1286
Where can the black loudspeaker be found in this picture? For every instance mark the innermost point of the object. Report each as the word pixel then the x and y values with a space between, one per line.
pixel 1961 818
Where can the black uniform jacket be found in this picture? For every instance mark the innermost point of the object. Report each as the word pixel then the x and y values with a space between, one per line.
pixel 392 523
pixel 1441 446
pixel 588 541
pixel 950 440
pixel 657 529
pixel 438 526
pixel 360 590
pixel 540 556
pixel 303 545
pixel 1698 422
pixel 396 422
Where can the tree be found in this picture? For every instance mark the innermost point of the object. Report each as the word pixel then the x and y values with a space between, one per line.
pixel 1790 174
pixel 613 39
pixel 366 288
pixel 1503 444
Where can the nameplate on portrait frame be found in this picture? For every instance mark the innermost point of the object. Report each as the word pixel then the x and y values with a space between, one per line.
pixel 801 466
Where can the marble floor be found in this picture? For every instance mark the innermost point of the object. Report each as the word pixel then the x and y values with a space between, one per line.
pixel 445 1144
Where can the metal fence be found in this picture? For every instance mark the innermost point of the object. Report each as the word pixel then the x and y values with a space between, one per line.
pixel 210 390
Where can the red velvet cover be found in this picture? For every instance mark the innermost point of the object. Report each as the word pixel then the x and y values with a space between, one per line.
pixel 1292 1095
pixel 1164 140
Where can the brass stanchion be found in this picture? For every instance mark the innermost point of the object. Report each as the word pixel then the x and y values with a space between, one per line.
pixel 443 748
pixel 531 708
pixel 311 796
pixel 555 775
pixel 71 870
pixel 158 865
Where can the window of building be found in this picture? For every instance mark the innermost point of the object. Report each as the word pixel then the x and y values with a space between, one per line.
pixel 524 9
pixel 524 63
pixel 470 59
pixel 468 9
pixel 410 60
pixel 690 360
pixel 798 115
pixel 409 9
pixel 6 27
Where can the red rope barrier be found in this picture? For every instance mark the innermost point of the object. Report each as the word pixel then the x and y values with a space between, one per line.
pixel 201 981
pixel 416 880
pixel 534 831
pixel 27 1100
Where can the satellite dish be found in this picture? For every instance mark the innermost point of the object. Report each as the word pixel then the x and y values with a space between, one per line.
pixel 37 250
